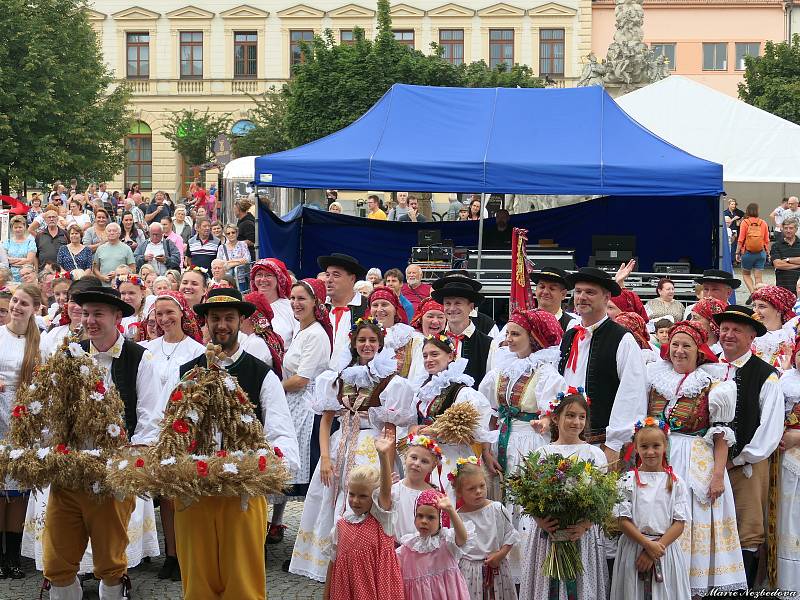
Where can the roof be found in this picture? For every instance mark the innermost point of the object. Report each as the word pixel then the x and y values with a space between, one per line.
pixel 505 140
pixel 778 4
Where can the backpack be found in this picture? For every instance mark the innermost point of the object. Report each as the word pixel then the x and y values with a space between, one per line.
pixel 754 238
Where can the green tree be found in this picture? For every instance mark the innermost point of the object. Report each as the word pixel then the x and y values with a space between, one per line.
pixel 269 134
pixel 337 83
pixel 191 134
pixel 60 115
pixel 772 81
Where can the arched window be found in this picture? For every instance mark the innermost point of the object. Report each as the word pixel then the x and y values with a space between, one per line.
pixel 139 147
pixel 242 127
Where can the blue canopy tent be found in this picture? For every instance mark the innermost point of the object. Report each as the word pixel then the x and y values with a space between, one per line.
pixel 497 140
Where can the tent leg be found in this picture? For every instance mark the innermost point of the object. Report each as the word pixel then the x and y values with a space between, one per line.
pixel 480 237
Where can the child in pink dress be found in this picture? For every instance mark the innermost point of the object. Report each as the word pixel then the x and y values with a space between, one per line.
pixel 429 558
pixel 363 563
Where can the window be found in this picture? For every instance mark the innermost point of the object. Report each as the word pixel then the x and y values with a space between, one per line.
pixel 138 54
pixel 242 127
pixel 405 37
pixel 139 147
pixel 297 36
pixel 501 48
pixel 715 56
pixel 551 52
pixel 667 51
pixel 745 49
pixel 452 43
pixel 191 54
pixel 245 55
pixel 346 37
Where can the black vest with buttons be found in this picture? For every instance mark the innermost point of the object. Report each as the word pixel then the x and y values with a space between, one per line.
pixel 564 321
pixel 124 371
pixel 476 350
pixel 602 380
pixel 749 379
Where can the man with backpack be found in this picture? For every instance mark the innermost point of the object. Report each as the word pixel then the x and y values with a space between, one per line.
pixel 753 247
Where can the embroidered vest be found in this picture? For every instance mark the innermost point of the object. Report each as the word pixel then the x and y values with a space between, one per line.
pixel 441 403
pixel 406 353
pixel 518 391
pixel 749 380
pixel 371 396
pixel 688 415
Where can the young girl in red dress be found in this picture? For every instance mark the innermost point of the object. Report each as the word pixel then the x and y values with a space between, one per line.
pixel 363 563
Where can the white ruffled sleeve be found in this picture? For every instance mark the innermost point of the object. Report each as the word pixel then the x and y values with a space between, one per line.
pixel 488 387
pixel 681 509
pixel 326 390
pixel 482 433
pixel 721 411
pixel 550 383
pixel 384 517
pixel 624 507
pixel 397 405
pixel 448 536
pixel 508 533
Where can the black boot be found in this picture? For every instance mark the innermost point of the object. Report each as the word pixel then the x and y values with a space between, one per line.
pixel 750 560
pixel 166 570
pixel 11 567
pixel 176 572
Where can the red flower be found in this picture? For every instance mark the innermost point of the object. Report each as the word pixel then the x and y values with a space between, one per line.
pixel 192 445
pixel 139 463
pixel 242 397
pixel 202 468
pixel 262 463
pixel 100 387
pixel 222 453
pixel 180 426
pixel 176 396
pixel 62 449
pixel 19 410
pixel 277 452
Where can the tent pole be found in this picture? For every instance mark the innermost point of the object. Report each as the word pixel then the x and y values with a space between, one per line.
pixel 480 236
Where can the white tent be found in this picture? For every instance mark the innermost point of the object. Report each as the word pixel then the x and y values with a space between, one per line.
pixel 241 168
pixel 752 145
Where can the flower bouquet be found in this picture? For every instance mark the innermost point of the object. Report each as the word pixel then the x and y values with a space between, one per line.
pixel 569 490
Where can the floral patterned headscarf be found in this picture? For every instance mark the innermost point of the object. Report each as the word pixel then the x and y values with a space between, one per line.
pixel 542 327
pixel 779 298
pixel 707 308
pixel 317 290
pixel 189 323
pixel 276 268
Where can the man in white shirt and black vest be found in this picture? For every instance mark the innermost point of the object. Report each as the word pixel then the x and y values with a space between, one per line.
pixel 758 426
pixel 604 358
pixel 228 561
pixel 551 290
pixel 459 296
pixel 345 305
pixel 483 322
pixel 74 517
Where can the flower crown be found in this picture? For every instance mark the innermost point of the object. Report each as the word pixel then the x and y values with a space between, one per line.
pixel 62 275
pixel 440 337
pixel 365 320
pixel 425 442
pixel 651 422
pixel 201 270
pixel 571 391
pixel 133 279
pixel 461 461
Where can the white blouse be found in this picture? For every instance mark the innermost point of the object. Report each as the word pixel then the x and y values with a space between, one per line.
pixel 652 507
pixel 168 358
pixel 255 346
pixel 494 530
pixel 284 323
pixel 309 354
pixel 404 508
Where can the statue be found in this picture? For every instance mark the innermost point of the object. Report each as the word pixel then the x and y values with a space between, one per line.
pixel 629 63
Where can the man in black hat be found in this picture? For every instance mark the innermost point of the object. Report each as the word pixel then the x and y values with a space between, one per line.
pixel 604 359
pixel 718 284
pixel 551 290
pixel 483 322
pixel 459 298
pixel 758 425
pixel 74 516
pixel 213 561
pixel 344 303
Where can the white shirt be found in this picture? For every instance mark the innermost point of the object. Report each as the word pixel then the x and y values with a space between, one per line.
pixel 168 358
pixel 466 333
pixel 255 346
pixel 309 354
pixel 341 334
pixel 51 340
pixel 284 323
pixel 630 401
pixel 149 407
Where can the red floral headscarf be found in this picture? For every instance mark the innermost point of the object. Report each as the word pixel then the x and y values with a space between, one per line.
pixel 384 293
pixel 780 298
pixel 278 269
pixel 317 290
pixel 629 301
pixel 637 326
pixel 707 308
pixel 430 497
pixel 262 323
pixel 541 324
pixel 700 337
pixel 427 305
pixel 189 323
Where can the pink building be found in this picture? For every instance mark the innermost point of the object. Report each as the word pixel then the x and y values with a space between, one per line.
pixel 705 40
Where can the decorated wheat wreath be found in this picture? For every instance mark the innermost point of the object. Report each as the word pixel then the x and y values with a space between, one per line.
pixel 65 409
pixel 454 426
pixel 207 405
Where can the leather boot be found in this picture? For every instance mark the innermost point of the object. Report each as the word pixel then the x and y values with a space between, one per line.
pixel 750 560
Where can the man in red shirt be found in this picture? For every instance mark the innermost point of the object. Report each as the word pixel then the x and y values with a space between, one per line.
pixel 413 289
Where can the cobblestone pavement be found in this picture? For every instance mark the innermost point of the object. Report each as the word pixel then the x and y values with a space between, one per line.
pixel 146 586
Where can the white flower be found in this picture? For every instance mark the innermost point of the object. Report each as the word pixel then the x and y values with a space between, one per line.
pixel 32 387
pixel 230 468
pixel 85 370
pixel 197 457
pixel 75 350
pixel 262 452
pixel 168 461
pixel 230 384
pixel 95 452
pixel 96 396
pixel 41 453
pixel 109 462
pixel 122 464
pixel 113 430
pixel 238 454
pixel 193 416
pixel 35 407
pixel 96 487
pixel 246 418
pixel 15 454
pixel 54 379
pixel 45 432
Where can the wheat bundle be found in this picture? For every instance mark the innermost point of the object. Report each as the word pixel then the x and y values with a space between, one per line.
pixel 455 425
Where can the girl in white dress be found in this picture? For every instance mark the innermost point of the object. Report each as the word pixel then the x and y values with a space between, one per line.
pixel 422 456
pixel 569 427
pixel 385 306
pixel 485 563
pixel 428 320
pixel 307 358
pixel 132 290
pixel 652 514
pixel 270 277
pixel 19 356
pixel 444 385
pixel 788 525
pixel 367 395
pixel 773 306
pixel 520 387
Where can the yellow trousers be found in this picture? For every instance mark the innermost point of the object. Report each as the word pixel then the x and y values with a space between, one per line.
pixel 221 549
pixel 750 498
pixel 72 519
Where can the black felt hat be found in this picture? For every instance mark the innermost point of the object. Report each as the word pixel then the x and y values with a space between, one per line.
pixel 347 262
pixel 103 295
pixel 718 276
pixel 552 274
pixel 457 289
pixel 225 298
pixel 595 276
pixel 740 314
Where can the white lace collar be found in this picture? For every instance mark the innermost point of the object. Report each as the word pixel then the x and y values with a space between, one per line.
pixel 364 376
pixel 665 380
pixel 510 365
pixel 399 335
pixel 454 373
pixel 790 383
pixel 352 517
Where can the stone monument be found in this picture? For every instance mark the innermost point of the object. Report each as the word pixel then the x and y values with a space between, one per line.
pixel 629 64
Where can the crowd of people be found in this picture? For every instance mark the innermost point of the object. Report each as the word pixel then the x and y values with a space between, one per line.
pixel 352 365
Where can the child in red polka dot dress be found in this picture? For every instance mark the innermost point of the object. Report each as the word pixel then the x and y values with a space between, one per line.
pixel 363 563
